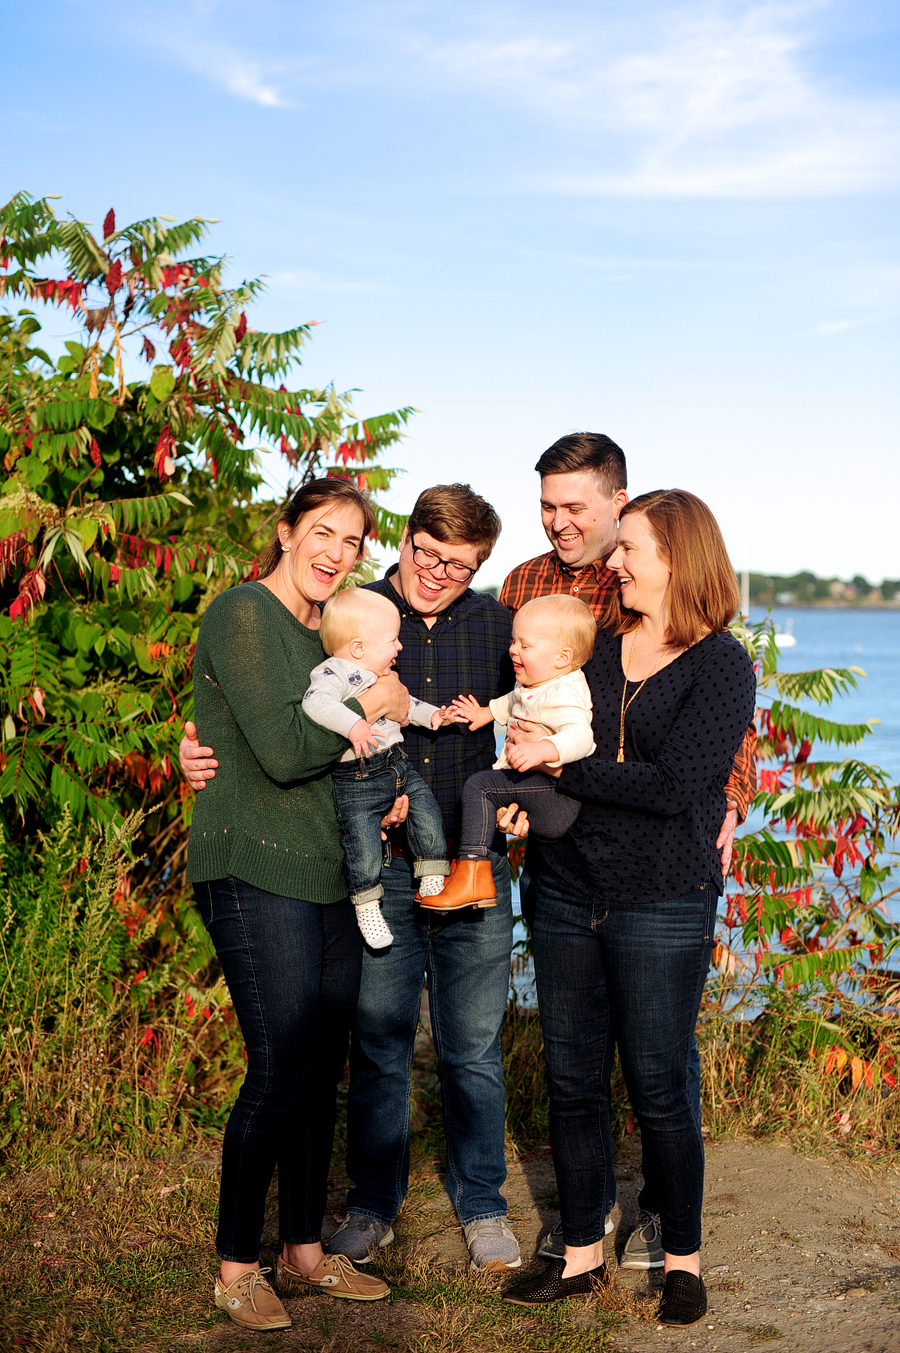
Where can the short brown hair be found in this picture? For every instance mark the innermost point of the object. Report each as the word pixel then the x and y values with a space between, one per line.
pixel 454 514
pixel 576 626
pixel 703 594
pixel 314 494
pixel 587 451
pixel 346 612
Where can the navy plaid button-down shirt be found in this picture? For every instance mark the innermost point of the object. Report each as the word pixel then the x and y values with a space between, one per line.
pixel 465 652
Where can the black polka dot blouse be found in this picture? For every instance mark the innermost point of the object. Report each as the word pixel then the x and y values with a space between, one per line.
pixel 648 825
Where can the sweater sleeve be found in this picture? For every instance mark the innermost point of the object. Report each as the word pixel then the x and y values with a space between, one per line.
pixel 241 654
pixel 697 751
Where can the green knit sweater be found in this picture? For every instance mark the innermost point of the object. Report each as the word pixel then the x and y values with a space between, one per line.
pixel 268 816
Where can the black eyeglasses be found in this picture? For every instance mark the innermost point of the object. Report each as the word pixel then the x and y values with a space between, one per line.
pixel 457 573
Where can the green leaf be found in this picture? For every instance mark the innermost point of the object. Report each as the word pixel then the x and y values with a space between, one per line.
pixel 162 382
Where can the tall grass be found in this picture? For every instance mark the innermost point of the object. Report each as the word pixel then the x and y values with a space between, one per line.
pixel 107 1034
pixel 116 1029
pixel 780 1073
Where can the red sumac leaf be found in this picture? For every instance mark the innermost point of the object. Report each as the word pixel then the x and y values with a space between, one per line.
pixel 109 224
pixel 114 277
pixel 149 351
pixel 163 460
pixel 240 328
pixel 95 453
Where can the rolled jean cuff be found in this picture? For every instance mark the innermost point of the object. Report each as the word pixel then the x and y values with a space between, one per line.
pixel 423 867
pixel 367 895
pixel 483 1216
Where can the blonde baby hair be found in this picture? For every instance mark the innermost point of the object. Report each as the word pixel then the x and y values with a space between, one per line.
pixel 574 620
pixel 348 611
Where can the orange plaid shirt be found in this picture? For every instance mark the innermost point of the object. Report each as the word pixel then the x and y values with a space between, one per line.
pixel 593 583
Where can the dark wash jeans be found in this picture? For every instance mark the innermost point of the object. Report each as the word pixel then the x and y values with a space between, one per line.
pixel 465 957
pixel 630 974
pixel 292 969
pixel 550 815
pixel 364 791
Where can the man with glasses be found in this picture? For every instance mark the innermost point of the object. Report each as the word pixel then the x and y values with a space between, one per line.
pixel 454 640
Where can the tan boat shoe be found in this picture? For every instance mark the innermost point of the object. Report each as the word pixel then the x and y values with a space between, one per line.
pixel 337 1277
pixel 251 1303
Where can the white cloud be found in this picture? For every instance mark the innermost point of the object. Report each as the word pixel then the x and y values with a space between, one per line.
pixel 839 326
pixel 256 81
pixel 721 104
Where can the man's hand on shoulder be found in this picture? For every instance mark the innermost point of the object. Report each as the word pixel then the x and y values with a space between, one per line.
pixel 198 764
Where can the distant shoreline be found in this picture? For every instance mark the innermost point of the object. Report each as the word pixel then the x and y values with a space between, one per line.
pixel 828 606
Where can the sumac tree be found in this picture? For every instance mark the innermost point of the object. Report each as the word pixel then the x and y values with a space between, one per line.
pixel 126 504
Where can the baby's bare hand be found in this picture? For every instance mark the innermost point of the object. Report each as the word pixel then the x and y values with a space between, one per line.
pixel 363 738
pixel 446 715
pixel 470 712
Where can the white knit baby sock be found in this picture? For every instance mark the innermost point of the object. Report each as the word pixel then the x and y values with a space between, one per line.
pixel 430 885
pixel 374 927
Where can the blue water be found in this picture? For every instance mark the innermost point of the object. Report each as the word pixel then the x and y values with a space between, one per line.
pixel 829 637
pixel 834 637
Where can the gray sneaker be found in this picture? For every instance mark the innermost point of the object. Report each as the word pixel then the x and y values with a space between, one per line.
pixel 643 1248
pixel 492 1245
pixel 554 1247
pixel 358 1237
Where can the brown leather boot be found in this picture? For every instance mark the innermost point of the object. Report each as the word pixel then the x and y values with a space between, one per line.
pixel 470 884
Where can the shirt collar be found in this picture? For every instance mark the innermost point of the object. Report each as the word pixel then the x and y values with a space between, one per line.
pixel 597 568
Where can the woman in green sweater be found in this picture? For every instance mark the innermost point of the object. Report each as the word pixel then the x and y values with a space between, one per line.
pixel 265 860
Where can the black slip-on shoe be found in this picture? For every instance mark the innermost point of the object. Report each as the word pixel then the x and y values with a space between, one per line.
pixel 683 1300
pixel 552 1286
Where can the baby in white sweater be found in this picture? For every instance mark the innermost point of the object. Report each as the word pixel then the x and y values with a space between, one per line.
pixel 553 637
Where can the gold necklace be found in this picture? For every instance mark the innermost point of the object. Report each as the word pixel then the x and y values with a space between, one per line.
pixel 625 708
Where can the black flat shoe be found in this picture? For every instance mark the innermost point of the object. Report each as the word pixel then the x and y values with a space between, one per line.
pixel 683 1300
pixel 552 1286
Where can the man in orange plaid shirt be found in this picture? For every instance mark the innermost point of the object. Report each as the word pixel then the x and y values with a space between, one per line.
pixel 583 490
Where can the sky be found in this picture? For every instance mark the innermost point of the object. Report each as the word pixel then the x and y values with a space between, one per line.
pixel 672 223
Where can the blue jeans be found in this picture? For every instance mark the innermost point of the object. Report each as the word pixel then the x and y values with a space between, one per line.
pixel 292 969
pixel 364 792
pixel 527 881
pixel 630 974
pixel 550 815
pixel 465 957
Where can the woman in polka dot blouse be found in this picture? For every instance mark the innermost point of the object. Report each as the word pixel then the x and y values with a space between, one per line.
pixel 626 902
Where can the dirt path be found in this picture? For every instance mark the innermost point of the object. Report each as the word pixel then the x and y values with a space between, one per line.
pixel 801 1252
pixel 801 1255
